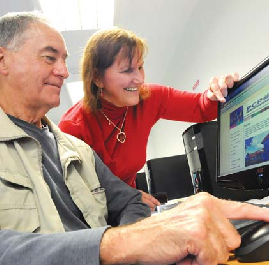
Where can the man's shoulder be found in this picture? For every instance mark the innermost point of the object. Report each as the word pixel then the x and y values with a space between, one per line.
pixel 76 142
pixel 67 140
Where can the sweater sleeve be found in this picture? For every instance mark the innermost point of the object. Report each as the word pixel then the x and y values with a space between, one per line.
pixel 123 202
pixel 78 247
pixel 71 121
pixel 68 126
pixel 180 105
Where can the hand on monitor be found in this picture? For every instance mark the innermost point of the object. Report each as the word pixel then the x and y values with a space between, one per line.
pixel 217 90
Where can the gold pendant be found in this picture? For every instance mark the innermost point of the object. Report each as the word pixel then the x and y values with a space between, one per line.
pixel 121 136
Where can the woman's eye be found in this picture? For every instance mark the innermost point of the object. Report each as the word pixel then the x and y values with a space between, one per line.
pixel 129 70
pixel 140 68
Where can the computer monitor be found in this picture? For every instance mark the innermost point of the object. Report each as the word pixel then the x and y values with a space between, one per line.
pixel 243 132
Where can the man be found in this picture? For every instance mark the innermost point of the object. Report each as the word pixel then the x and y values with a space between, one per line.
pixel 58 202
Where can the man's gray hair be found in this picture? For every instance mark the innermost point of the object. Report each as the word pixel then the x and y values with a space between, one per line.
pixel 14 25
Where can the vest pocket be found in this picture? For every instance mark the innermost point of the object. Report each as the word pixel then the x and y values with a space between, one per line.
pixel 99 195
pixel 100 198
pixel 19 219
pixel 17 208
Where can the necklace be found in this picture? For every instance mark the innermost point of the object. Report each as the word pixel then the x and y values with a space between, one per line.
pixel 121 136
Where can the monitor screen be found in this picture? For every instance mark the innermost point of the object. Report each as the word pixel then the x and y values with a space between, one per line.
pixel 243 132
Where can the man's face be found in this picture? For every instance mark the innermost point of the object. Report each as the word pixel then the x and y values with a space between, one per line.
pixel 36 71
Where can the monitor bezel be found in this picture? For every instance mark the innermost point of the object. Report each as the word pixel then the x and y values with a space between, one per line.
pixel 238 180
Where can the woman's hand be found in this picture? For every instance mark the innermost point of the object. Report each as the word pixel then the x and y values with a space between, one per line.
pixel 218 86
pixel 149 200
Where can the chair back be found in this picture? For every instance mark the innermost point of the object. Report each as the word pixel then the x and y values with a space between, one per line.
pixel 170 175
pixel 141 182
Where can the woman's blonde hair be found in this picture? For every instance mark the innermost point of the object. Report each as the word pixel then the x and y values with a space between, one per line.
pixel 100 53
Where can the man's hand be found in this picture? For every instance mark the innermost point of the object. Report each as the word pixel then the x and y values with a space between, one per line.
pixel 197 231
pixel 149 200
pixel 218 86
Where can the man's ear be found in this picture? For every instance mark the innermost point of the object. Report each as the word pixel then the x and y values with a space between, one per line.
pixel 3 66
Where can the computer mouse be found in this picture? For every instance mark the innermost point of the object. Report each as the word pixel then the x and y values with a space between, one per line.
pixel 243 225
pixel 254 243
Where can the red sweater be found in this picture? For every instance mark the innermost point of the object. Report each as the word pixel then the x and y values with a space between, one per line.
pixel 126 159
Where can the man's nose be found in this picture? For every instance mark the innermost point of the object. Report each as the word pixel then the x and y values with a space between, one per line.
pixel 61 69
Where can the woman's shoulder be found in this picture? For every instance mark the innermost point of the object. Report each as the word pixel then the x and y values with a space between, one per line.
pixel 72 121
pixel 74 114
pixel 158 94
pixel 163 91
pixel 158 91
pixel 156 87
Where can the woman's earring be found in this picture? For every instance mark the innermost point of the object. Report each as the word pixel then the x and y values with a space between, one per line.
pixel 101 92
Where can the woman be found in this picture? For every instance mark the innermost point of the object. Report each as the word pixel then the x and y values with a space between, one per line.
pixel 118 110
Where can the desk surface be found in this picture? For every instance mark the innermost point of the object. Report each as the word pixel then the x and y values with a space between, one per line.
pixel 233 261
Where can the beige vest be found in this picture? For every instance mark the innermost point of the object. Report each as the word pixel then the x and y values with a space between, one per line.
pixel 25 201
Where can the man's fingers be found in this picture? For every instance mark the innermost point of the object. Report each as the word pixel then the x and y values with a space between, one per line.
pixel 150 200
pixel 237 210
pixel 227 230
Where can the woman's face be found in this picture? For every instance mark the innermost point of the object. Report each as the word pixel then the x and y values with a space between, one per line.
pixel 121 82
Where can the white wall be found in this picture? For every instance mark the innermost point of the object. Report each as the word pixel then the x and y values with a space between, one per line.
pixel 193 39
pixel 18 5
pixel 188 40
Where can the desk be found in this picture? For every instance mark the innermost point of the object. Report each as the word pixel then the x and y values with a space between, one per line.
pixel 233 261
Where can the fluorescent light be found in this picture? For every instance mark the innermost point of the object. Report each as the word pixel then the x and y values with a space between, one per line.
pixel 105 15
pixel 89 14
pixel 79 14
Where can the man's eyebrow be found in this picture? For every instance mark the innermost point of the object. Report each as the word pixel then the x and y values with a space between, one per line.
pixel 54 50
